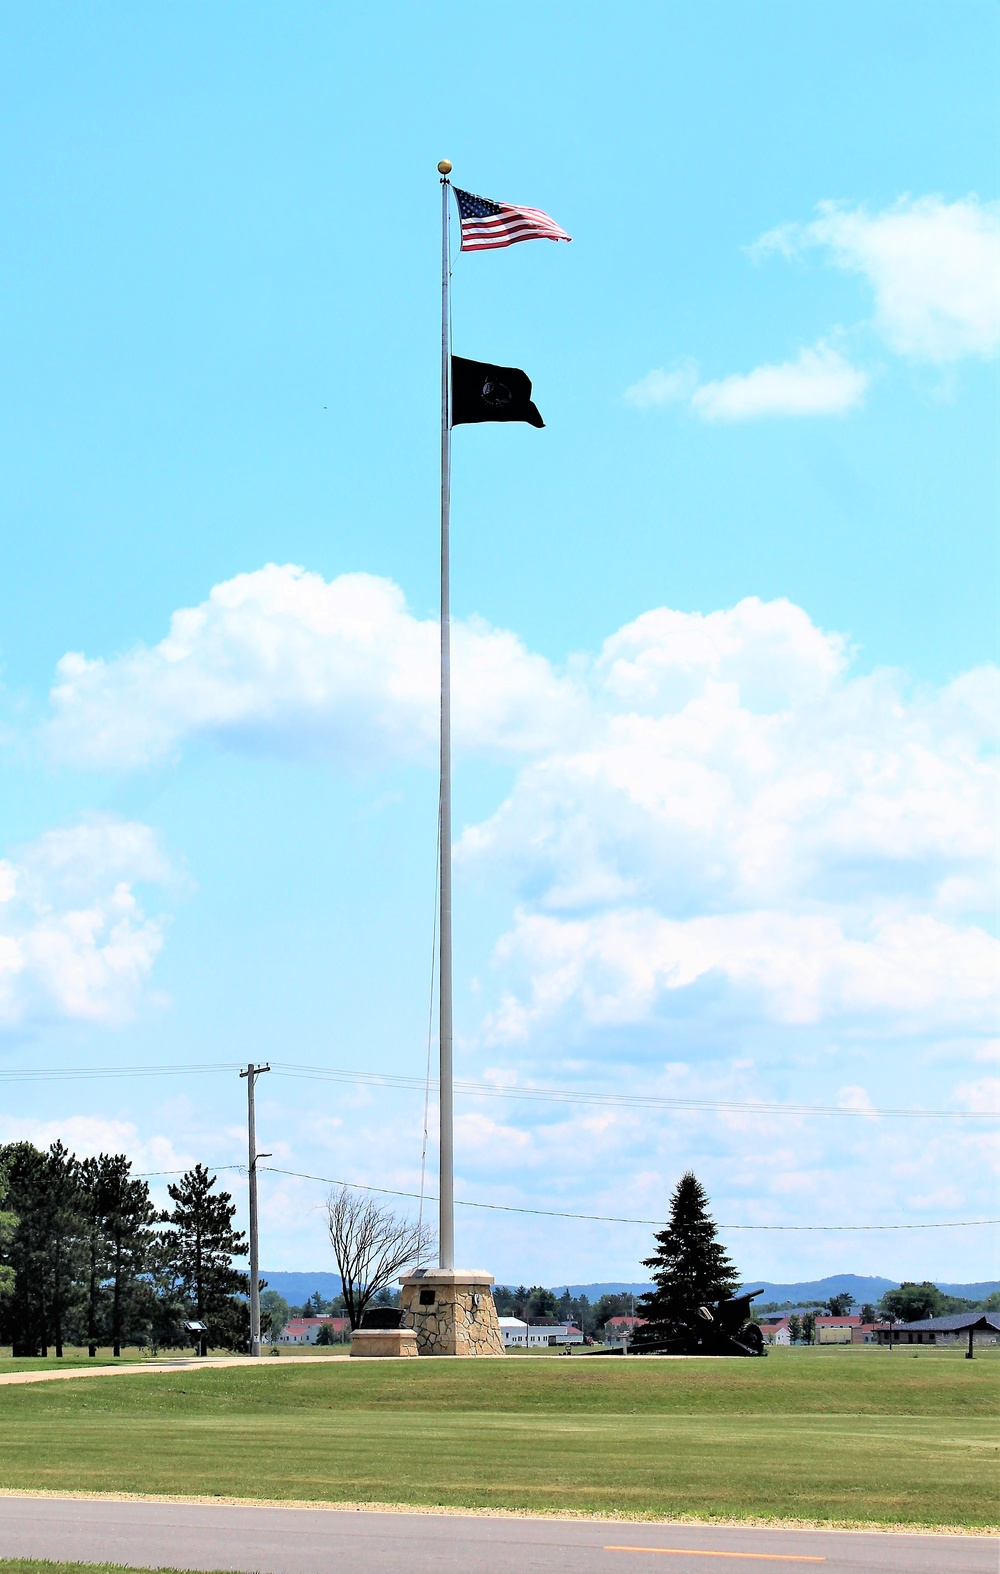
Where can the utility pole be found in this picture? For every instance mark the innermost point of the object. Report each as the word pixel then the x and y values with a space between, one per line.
pixel 252 1073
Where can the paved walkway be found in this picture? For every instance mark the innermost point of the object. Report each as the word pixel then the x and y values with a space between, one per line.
pixel 47 1374
pixel 179 1364
pixel 314 1541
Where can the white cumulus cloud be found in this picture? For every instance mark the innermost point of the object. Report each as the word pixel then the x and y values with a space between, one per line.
pixel 89 1135
pixel 934 271
pixel 74 940
pixel 661 387
pixel 743 813
pixel 934 268
pixel 283 661
pixel 818 382
pixel 712 806
pixel 909 972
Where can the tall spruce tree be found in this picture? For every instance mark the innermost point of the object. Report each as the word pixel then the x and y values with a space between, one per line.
pixel 198 1248
pixel 93 1316
pixel 689 1267
pixel 23 1315
pixel 65 1239
pixel 128 1219
pixel 119 1238
pixel 46 1248
pixel 8 1224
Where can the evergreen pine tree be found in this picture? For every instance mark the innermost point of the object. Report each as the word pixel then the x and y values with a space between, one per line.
pixel 64 1239
pixel 8 1224
pixel 119 1216
pixel 541 1302
pixel 23 1320
pixel 94 1310
pixel 129 1217
pixel 46 1248
pixel 197 1253
pixel 690 1267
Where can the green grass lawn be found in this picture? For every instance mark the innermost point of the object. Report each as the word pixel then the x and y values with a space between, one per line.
pixel 76 1357
pixel 857 1435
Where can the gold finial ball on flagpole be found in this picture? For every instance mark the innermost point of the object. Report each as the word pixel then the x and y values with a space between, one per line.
pixel 444 168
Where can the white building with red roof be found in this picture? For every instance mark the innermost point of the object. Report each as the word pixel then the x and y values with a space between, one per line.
pixel 305 1330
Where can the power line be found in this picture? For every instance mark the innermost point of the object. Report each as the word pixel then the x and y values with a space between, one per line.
pixel 604 1218
pixel 633 1100
pixel 474 1089
pixel 149 1174
pixel 87 1073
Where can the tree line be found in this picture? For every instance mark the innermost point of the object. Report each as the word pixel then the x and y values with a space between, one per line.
pixel 87 1259
pixel 908 1303
pixel 911 1302
pixel 535 1301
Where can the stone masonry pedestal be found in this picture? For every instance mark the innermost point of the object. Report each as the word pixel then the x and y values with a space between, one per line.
pixel 451 1311
pixel 368 1342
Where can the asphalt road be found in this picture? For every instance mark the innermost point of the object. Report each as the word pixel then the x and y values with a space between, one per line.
pixel 314 1541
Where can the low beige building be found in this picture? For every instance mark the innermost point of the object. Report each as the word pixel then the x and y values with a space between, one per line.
pixel 835 1330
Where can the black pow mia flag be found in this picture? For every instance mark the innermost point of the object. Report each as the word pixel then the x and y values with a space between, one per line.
pixel 480 392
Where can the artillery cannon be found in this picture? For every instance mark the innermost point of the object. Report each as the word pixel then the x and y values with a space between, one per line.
pixel 724 1328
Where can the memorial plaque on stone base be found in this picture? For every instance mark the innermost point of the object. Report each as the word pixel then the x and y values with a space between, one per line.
pixel 383 1332
pixel 451 1311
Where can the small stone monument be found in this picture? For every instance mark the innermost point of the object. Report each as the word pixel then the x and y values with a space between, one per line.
pixel 383 1332
pixel 451 1311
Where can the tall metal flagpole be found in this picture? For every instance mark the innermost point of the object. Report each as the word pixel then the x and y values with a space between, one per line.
pixel 446 1187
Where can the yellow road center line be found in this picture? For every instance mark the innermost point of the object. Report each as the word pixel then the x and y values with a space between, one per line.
pixel 698 1552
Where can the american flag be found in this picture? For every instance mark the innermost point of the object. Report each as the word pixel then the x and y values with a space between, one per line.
pixel 486 224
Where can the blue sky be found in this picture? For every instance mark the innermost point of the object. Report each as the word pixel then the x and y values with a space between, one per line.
pixel 725 682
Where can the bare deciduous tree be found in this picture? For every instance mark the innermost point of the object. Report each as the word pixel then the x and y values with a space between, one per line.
pixel 372 1245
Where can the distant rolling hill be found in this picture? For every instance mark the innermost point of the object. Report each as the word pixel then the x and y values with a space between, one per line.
pixel 860 1289
pixel 972 1292
pixel 297 1287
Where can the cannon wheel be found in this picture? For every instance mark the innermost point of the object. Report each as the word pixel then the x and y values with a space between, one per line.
pixel 751 1336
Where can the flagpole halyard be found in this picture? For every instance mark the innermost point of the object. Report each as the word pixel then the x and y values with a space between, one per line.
pixel 446 1188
